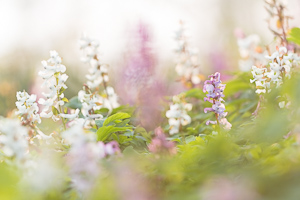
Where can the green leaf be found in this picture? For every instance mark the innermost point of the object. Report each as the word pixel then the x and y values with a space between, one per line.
pixel 143 132
pixel 102 111
pixel 190 138
pixel 117 116
pixel 100 122
pixel 74 103
pixel 294 36
pixel 55 111
pixel 123 108
pixel 195 92
pixel 65 99
pixel 123 123
pixel 104 132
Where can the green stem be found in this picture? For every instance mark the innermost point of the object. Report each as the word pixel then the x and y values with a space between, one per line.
pixel 182 134
pixel 60 108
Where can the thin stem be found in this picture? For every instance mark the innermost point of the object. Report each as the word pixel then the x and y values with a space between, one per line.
pixel 60 108
pixel 182 134
pixel 258 105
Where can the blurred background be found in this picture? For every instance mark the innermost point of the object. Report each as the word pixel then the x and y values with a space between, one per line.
pixel 132 34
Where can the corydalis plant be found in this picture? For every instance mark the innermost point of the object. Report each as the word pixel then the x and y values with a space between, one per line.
pixel 28 112
pixel 91 98
pixel 187 60
pixel 215 89
pixel 280 62
pixel 54 79
pixel 177 114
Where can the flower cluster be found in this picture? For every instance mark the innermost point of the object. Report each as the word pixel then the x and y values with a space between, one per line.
pixel 281 63
pixel 54 80
pixel 98 71
pixel 89 97
pixel 260 79
pixel 27 108
pixel 187 64
pixel 251 53
pixel 215 88
pixel 177 114
pixel 160 144
pixel 90 103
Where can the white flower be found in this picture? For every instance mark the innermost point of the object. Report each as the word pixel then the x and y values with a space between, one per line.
pixel 13 139
pixel 27 107
pixel 91 100
pixel 187 65
pixel 248 52
pixel 40 173
pixel 70 116
pixel 260 76
pixel 55 79
pixel 282 104
pixel 178 115
pixel 76 135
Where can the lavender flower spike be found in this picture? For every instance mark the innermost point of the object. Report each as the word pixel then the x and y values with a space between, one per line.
pixel 215 89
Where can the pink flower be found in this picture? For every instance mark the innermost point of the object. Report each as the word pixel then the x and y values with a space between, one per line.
pixel 160 144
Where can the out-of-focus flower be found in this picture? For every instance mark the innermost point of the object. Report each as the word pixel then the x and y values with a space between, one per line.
pixel 177 114
pixel 214 89
pixel 160 144
pixel 40 172
pixel 27 108
pixel 187 60
pixel 250 51
pixel 13 139
pixel 137 79
pixel 85 149
pixel 222 188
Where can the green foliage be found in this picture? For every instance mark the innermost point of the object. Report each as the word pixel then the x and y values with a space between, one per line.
pixel 114 123
pixel 294 35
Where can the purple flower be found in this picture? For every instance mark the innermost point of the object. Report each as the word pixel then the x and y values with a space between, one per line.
pixel 160 144
pixel 137 78
pixel 215 89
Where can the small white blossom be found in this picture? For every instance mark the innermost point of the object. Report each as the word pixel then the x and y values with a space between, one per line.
pixel 27 107
pixel 187 66
pixel 13 139
pixel 260 79
pixel 98 74
pixel 178 115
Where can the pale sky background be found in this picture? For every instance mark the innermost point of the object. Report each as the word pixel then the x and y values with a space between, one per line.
pixel 42 25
